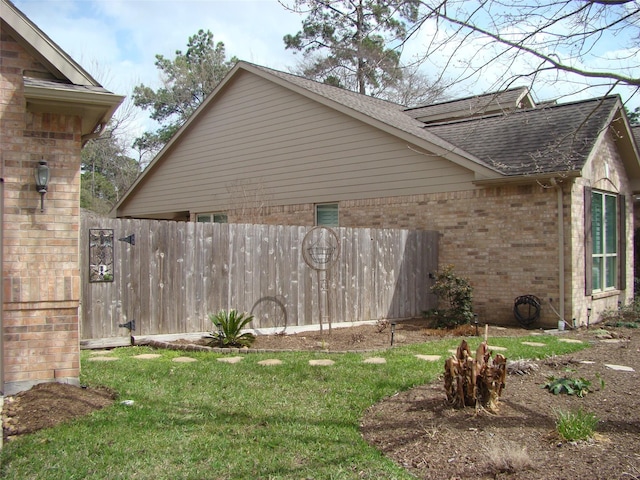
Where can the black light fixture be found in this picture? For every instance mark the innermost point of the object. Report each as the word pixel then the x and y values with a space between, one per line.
pixel 42 179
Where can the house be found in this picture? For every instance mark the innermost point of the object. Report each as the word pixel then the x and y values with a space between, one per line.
pixel 49 107
pixel 528 199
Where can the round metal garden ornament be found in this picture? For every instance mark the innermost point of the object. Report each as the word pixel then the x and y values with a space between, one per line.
pixel 320 250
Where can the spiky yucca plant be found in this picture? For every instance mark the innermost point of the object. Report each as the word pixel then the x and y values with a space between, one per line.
pixel 228 326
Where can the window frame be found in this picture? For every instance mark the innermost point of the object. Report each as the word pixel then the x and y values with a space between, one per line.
pixel 214 217
pixel 332 205
pixel 606 250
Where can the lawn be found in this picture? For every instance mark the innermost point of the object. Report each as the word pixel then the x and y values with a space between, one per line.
pixel 215 420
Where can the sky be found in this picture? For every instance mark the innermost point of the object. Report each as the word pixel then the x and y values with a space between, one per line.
pixel 117 40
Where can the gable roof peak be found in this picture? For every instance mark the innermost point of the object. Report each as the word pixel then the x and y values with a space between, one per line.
pixel 42 47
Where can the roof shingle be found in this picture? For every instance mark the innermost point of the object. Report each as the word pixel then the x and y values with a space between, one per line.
pixel 556 138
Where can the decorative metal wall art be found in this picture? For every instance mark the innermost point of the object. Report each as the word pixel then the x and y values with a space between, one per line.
pixel 100 255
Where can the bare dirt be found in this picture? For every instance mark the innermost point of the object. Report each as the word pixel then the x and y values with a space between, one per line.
pixel 416 428
pixel 48 404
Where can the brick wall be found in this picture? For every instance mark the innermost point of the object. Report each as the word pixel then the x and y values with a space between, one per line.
pixel 503 239
pixel 41 280
pixel 604 171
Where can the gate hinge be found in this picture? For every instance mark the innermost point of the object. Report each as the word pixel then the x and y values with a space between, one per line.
pixel 130 239
pixel 131 325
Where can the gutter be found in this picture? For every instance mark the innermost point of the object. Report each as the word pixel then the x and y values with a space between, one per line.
pixel 83 96
pixel 526 179
pixel 561 274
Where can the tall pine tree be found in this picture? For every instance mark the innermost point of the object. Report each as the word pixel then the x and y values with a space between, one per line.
pixel 186 82
pixel 354 44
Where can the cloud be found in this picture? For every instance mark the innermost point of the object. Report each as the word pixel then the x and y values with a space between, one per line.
pixel 117 40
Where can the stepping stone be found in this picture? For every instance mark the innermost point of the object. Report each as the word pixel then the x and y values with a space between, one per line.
pixel 587 362
pixel 569 340
pixel 534 344
pixel 183 360
pixel 430 358
pixel 102 359
pixel 148 356
pixel 375 360
pixel 321 362
pixel 230 359
pixel 497 349
pixel 619 368
pixel 270 361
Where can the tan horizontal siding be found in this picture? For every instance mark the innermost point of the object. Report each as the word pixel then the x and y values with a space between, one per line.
pixel 293 149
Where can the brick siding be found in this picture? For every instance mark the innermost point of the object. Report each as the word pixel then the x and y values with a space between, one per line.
pixel 503 239
pixel 41 279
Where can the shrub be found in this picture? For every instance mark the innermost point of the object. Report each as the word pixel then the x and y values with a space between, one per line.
pixel 577 425
pixel 457 294
pixel 571 386
pixel 227 329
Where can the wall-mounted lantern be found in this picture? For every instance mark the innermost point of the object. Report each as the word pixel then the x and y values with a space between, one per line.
pixel 42 180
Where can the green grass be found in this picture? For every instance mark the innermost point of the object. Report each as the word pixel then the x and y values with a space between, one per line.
pixel 576 425
pixel 242 421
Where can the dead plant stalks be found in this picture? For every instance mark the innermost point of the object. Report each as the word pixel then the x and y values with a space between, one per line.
pixel 478 381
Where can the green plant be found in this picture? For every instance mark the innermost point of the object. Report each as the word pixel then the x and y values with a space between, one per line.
pixel 457 294
pixel 228 327
pixel 576 425
pixel 183 412
pixel 624 316
pixel 571 386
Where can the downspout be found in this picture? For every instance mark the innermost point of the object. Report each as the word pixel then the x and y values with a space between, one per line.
pixel 561 275
pixel 2 365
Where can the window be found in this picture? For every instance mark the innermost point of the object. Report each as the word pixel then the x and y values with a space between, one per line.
pixel 212 218
pixel 604 238
pixel 327 214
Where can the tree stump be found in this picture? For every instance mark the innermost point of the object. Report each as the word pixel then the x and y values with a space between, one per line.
pixel 474 381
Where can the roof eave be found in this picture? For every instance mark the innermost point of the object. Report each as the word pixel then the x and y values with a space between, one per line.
pixel 95 108
pixel 525 179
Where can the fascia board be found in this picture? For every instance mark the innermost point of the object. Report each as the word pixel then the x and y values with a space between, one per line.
pixel 527 179
pixel 62 95
pixel 95 108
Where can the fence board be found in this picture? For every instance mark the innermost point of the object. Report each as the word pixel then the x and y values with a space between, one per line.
pixel 178 273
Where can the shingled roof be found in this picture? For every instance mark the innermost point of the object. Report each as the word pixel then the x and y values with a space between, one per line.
pixel 478 105
pixel 518 138
pixel 556 138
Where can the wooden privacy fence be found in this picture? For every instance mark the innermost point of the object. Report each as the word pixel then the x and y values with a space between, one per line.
pixel 169 276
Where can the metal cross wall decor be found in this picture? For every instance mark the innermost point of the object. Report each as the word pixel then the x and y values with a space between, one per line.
pixel 100 255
